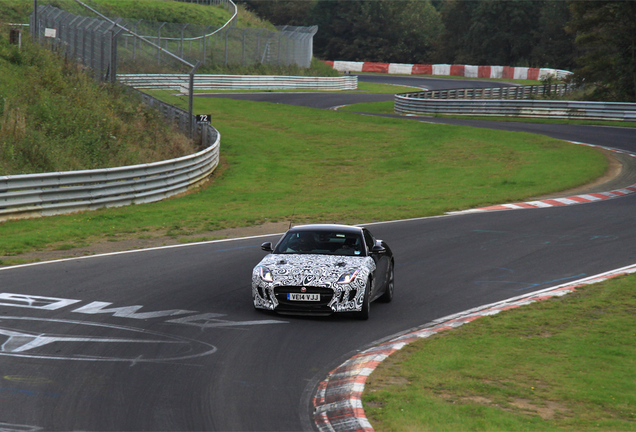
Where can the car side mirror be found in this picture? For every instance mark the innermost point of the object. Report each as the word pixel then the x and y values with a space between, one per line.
pixel 267 247
pixel 377 249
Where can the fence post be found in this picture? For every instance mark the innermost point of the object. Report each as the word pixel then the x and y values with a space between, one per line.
pixel 113 53
pixel 135 40
pixel 205 42
pixel 244 32
pixel 227 29
pixel 159 43
pixel 191 99
pixel 182 31
pixel 258 44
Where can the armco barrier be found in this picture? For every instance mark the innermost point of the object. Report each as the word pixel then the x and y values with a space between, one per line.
pixel 468 71
pixel 572 110
pixel 23 196
pixel 34 195
pixel 238 82
pixel 514 92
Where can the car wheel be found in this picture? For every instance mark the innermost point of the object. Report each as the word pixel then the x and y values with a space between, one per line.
pixel 388 292
pixel 366 303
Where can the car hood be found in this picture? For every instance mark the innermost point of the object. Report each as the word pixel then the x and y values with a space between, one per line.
pixel 316 270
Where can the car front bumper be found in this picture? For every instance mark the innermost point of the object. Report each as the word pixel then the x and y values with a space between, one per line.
pixel 333 298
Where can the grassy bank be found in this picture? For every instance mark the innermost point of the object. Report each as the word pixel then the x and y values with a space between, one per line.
pixel 55 117
pixel 567 364
pixel 18 11
pixel 322 166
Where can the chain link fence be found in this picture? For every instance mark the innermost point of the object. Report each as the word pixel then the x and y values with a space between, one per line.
pixel 140 46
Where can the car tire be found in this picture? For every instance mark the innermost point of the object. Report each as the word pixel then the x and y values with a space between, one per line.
pixel 366 303
pixel 388 292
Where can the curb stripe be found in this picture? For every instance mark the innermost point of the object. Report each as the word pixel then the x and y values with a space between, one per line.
pixel 338 400
pixel 554 202
pixel 469 71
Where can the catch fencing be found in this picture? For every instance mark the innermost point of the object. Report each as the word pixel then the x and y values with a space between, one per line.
pixel 139 46
pixel 180 82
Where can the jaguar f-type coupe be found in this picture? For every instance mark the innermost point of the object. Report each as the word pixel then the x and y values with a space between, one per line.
pixel 322 269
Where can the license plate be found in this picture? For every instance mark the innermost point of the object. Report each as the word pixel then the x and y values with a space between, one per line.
pixel 303 297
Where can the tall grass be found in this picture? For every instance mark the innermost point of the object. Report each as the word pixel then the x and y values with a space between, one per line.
pixel 55 117
pixel 18 11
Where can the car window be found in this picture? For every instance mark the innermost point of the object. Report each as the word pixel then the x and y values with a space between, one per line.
pixel 322 242
pixel 369 240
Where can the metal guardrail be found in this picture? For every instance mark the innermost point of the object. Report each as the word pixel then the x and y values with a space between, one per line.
pixel 179 82
pixel 34 195
pixel 572 110
pixel 510 92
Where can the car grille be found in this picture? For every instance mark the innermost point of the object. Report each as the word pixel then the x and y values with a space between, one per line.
pixel 284 305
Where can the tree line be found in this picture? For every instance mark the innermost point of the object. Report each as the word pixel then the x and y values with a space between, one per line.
pixel 595 39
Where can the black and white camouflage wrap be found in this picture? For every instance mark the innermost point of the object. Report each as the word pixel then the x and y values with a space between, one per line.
pixel 314 271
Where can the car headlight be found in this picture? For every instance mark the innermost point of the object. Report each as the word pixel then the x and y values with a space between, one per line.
pixel 266 274
pixel 348 277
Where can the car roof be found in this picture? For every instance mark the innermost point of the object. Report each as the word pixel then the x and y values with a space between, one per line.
pixel 327 227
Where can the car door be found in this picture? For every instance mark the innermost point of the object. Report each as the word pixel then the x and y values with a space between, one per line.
pixel 381 263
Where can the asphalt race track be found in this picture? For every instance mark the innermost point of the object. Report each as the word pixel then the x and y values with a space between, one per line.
pixel 167 339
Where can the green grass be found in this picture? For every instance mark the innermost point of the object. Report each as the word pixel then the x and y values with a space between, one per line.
pixel 324 166
pixel 55 117
pixel 387 107
pixel 17 11
pixel 567 364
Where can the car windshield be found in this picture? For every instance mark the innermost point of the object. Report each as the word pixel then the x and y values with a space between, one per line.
pixel 321 242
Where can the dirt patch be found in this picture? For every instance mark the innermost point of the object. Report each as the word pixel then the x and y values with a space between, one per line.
pixel 547 410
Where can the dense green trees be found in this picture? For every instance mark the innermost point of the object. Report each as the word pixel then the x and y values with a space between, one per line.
pixel 598 37
pixel 510 33
pixel 607 35
pixel 487 32
pixel 381 30
pixel 359 30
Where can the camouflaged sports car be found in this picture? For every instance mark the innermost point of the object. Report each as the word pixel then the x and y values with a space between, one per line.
pixel 322 269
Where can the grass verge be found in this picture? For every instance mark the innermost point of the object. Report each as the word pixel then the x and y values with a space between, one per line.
pixel 55 117
pixel 562 364
pixel 322 166
pixel 18 11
